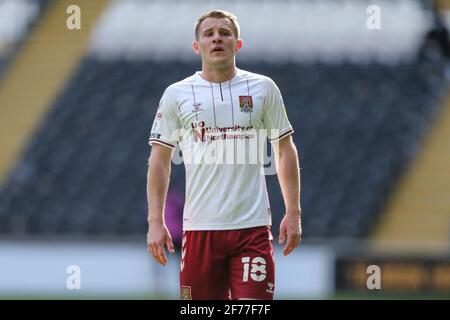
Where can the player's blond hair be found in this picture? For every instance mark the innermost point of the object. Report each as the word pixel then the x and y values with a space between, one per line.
pixel 218 14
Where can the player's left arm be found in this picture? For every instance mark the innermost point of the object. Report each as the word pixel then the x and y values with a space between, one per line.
pixel 288 171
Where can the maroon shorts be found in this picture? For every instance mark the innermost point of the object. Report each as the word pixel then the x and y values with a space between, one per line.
pixel 227 264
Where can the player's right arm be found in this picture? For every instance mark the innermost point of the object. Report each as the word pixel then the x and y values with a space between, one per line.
pixel 158 177
pixel 163 139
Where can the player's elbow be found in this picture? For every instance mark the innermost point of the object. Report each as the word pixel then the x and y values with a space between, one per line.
pixel 286 148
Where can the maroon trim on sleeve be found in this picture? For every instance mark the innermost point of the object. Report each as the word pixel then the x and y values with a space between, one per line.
pixel 282 136
pixel 161 142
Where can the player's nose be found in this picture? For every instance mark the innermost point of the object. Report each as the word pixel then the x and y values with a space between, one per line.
pixel 217 38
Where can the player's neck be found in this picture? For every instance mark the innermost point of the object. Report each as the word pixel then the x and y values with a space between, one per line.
pixel 217 75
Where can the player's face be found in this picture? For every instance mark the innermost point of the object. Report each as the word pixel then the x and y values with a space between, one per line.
pixel 217 44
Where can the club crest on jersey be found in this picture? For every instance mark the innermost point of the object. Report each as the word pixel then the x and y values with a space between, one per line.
pixel 186 293
pixel 246 103
pixel 197 107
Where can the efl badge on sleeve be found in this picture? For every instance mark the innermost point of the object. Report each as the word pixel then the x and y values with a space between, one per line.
pixel 246 103
pixel 157 122
pixel 186 293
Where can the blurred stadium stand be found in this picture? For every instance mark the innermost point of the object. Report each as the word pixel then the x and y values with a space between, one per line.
pixel 17 18
pixel 38 71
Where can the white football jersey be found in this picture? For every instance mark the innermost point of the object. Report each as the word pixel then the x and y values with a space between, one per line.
pixel 221 129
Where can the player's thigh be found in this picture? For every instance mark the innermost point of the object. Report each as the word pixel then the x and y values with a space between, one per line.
pixel 203 271
pixel 253 270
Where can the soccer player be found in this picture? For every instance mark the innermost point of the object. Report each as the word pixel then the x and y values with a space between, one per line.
pixel 227 250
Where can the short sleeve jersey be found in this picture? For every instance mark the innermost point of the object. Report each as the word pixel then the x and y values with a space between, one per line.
pixel 221 129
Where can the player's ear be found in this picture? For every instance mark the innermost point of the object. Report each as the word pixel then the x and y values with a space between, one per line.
pixel 239 44
pixel 196 47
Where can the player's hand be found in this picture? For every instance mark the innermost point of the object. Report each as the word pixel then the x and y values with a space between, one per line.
pixel 290 228
pixel 158 235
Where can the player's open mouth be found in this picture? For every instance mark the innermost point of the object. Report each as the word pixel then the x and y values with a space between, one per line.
pixel 217 50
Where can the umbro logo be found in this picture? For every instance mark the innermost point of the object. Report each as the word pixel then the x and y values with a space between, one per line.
pixel 197 107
